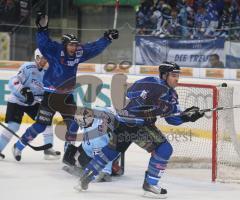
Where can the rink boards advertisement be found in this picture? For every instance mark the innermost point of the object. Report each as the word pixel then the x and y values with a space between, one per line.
pixel 111 94
pixel 152 50
pixel 106 97
pixel 126 67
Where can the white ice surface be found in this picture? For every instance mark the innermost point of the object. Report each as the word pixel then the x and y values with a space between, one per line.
pixel 36 179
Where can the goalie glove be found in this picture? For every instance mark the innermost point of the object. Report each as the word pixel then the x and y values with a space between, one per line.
pixel 191 114
pixel 41 21
pixel 112 34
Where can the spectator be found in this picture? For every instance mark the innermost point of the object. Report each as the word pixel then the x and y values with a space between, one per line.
pixel 211 18
pixel 159 4
pixel 237 24
pixel 174 28
pixel 224 23
pixel 143 17
pixel 183 21
pixel 200 23
pixel 160 23
pixel 194 18
pixel 9 11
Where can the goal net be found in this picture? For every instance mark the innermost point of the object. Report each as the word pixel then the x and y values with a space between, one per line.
pixel 211 142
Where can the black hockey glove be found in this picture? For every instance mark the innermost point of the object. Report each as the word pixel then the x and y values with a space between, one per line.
pixel 27 93
pixel 41 21
pixel 191 114
pixel 112 34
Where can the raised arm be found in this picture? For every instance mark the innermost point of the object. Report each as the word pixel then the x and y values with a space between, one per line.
pixel 47 47
pixel 93 49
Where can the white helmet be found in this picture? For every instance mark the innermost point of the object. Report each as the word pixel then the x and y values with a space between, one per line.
pixel 37 55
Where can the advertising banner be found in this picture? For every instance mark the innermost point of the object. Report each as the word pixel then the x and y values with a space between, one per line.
pixel 232 50
pixel 207 53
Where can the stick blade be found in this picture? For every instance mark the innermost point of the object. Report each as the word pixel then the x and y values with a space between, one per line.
pixel 41 148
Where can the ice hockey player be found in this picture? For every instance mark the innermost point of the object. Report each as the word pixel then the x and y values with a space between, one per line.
pixel 60 78
pixel 97 127
pixel 149 97
pixel 26 92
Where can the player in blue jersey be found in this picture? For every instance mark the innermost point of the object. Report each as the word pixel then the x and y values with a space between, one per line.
pixel 26 92
pixel 60 78
pixel 149 97
pixel 97 128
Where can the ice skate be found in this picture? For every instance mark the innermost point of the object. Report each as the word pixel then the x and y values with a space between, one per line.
pixel 73 170
pixel 84 180
pixel 51 154
pixel 2 156
pixel 16 153
pixel 104 177
pixel 154 191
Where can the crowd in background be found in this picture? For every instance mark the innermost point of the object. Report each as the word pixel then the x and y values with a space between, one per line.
pixel 193 19
pixel 12 11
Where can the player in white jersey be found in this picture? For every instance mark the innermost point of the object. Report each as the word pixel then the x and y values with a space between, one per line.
pixel 26 93
pixel 97 126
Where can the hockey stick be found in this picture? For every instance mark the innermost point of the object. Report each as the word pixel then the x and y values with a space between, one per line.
pixel 148 111
pixel 39 148
pixel 207 110
pixel 122 162
pixel 116 14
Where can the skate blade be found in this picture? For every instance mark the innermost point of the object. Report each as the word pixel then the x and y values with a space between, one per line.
pixel 50 157
pixel 74 171
pixel 79 188
pixel 154 196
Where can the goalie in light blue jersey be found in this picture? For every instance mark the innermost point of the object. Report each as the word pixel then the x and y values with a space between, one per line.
pixel 97 127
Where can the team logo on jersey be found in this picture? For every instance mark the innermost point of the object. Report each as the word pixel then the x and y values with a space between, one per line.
pixel 72 63
pixel 37 83
pixel 143 94
pixel 79 53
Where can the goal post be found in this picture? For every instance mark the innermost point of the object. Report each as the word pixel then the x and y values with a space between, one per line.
pixel 214 92
pixel 210 142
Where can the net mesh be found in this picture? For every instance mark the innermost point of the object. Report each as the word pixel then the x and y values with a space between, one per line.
pixel 228 143
pixel 193 141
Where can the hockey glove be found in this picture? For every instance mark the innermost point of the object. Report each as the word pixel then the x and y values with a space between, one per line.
pixel 41 21
pixel 191 114
pixel 27 93
pixel 112 34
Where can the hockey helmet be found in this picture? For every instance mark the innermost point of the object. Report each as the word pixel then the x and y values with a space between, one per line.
pixel 39 59
pixel 167 67
pixel 69 38
pixel 37 55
